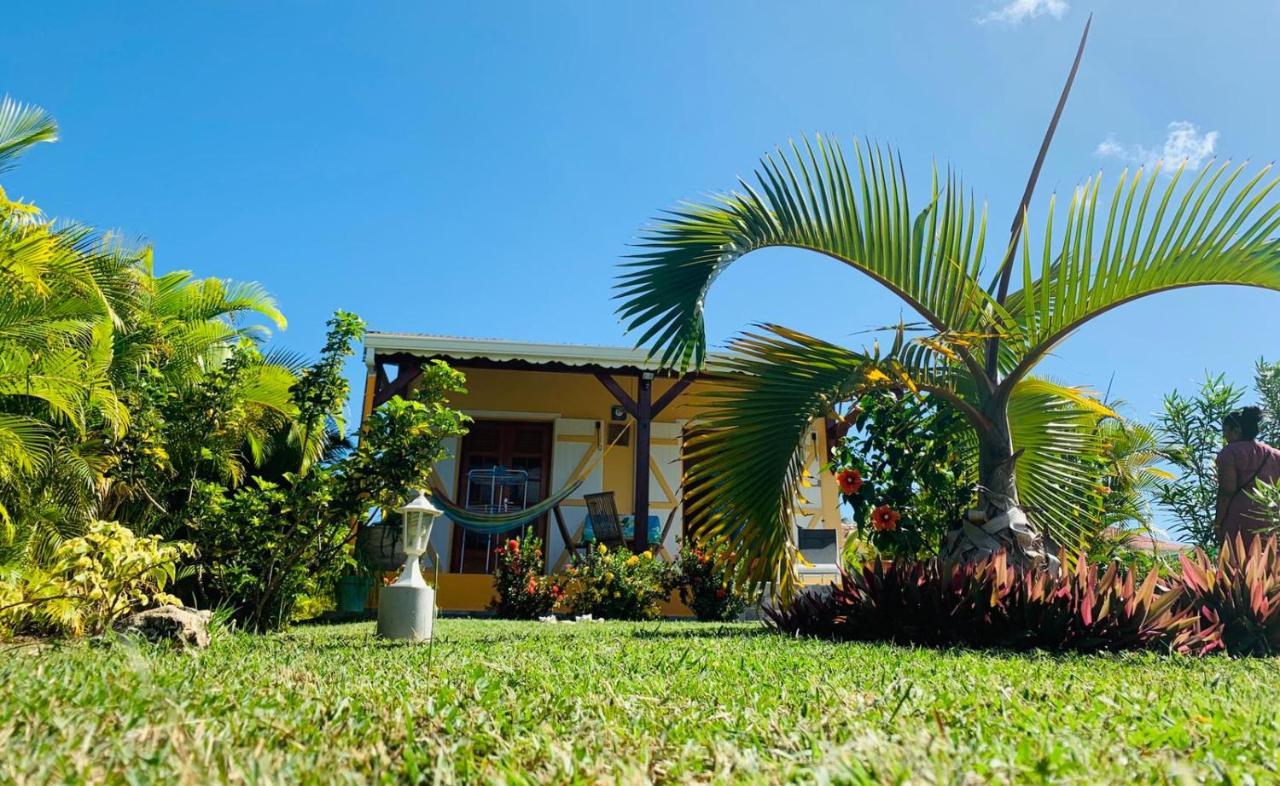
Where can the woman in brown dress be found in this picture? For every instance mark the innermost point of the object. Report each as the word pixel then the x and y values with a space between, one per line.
pixel 1242 464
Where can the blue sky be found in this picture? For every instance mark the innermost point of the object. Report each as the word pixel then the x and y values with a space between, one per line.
pixel 479 168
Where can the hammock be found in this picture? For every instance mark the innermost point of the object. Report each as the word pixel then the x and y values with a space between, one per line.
pixel 492 523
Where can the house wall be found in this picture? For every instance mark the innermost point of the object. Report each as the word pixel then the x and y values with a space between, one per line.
pixel 507 394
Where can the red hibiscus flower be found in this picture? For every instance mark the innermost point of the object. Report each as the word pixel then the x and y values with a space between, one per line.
pixel 884 519
pixel 850 481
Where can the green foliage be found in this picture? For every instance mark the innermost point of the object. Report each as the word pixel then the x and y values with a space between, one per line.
pixel 96 351
pixel 618 585
pixel 1190 428
pixel 915 456
pixel 709 582
pixel 1266 381
pixel 403 439
pixel 523 593
pixel 91 582
pixel 992 603
pixel 263 545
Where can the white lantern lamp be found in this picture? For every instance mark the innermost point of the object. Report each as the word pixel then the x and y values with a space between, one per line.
pixel 418 516
pixel 406 609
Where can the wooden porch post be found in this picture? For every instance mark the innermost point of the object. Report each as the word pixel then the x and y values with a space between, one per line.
pixel 644 409
pixel 644 420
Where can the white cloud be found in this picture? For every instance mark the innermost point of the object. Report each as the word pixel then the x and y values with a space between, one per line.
pixel 1184 142
pixel 1015 12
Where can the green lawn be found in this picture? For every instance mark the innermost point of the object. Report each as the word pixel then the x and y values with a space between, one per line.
pixel 667 702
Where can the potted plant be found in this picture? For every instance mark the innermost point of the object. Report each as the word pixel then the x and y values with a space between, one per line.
pixel 352 588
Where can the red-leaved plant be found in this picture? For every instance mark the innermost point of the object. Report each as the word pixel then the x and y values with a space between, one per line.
pixel 1237 598
pixel 991 603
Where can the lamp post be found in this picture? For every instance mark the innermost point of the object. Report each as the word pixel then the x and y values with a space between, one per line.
pixel 406 609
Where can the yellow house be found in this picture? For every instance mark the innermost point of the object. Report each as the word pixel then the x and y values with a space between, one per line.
pixel 542 414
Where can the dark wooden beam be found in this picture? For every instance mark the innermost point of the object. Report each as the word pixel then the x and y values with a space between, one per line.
pixel 619 394
pixel 672 393
pixel 410 369
pixel 644 419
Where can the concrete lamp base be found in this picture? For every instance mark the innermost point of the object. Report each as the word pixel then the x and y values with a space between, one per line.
pixel 406 611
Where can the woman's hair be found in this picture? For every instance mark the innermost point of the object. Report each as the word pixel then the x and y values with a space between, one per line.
pixel 1245 420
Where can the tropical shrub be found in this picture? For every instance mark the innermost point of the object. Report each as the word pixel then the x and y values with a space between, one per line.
pixel 617 584
pixel 707 578
pixel 91 582
pixel 523 592
pixel 1237 596
pixel 98 360
pixel 262 544
pixel 905 469
pixel 1190 428
pixel 995 603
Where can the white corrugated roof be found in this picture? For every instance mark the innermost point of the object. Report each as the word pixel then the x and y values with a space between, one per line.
pixel 503 350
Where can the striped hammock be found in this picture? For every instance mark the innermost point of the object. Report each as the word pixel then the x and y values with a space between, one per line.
pixel 493 523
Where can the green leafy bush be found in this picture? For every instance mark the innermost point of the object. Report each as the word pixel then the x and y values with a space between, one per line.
pixel 523 592
pixel 706 577
pixel 265 544
pixel 91 582
pixel 904 469
pixel 618 584
pixel 1237 597
pixel 991 603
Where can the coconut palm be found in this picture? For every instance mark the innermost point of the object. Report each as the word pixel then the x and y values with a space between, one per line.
pixel 980 342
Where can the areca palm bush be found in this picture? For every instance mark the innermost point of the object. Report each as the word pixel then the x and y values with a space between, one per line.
pixel 976 346
pixel 93 344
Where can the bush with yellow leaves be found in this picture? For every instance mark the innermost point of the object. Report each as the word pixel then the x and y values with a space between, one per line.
pixel 91 582
pixel 618 584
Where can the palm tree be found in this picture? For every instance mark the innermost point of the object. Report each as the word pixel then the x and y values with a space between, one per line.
pixel 978 342
pixel 88 332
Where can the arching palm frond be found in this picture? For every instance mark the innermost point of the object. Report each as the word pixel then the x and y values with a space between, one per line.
pixel 1061 461
pixel 1216 231
pixel 22 126
pixel 809 198
pixel 745 462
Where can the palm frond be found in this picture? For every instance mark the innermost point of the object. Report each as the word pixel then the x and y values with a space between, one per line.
pixel 22 126
pixel 1061 462
pixel 746 460
pixel 1218 230
pixel 809 198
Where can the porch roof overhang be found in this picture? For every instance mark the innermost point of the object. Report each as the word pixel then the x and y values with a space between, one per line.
pixel 586 357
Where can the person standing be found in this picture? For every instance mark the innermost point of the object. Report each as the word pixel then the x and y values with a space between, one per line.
pixel 1242 464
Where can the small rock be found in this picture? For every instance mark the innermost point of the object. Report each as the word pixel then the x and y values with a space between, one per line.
pixel 179 625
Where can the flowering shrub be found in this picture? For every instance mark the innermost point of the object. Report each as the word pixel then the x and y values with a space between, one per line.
pixel 523 592
pixel 91 582
pixel 705 578
pixel 899 462
pixel 618 584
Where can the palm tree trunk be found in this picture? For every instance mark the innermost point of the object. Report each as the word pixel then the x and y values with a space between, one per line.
pixel 999 523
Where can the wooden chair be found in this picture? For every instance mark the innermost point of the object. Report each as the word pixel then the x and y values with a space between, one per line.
pixel 602 511
pixel 606 527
